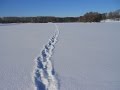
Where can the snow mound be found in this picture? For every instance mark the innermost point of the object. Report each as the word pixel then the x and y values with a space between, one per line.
pixel 109 20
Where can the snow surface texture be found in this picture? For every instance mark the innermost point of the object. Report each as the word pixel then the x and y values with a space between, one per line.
pixel 19 45
pixel 45 78
pixel 87 56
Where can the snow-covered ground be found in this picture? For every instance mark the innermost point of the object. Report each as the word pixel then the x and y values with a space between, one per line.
pixel 85 56
pixel 19 46
pixel 110 20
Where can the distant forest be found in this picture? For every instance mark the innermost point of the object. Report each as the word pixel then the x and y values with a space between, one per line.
pixel 88 17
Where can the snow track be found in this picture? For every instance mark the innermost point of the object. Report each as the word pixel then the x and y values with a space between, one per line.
pixel 44 73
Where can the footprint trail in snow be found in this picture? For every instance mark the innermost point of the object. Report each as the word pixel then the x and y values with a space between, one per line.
pixel 44 73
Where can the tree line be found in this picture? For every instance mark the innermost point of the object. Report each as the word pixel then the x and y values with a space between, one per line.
pixel 88 17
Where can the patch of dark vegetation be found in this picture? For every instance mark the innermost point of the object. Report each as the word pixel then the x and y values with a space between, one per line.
pixel 88 17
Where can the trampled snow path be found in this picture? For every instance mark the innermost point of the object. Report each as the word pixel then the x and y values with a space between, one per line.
pixel 44 73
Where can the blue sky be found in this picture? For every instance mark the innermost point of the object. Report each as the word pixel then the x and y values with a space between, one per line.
pixel 55 7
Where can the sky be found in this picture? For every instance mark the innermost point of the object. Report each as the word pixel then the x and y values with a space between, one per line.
pixel 61 8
